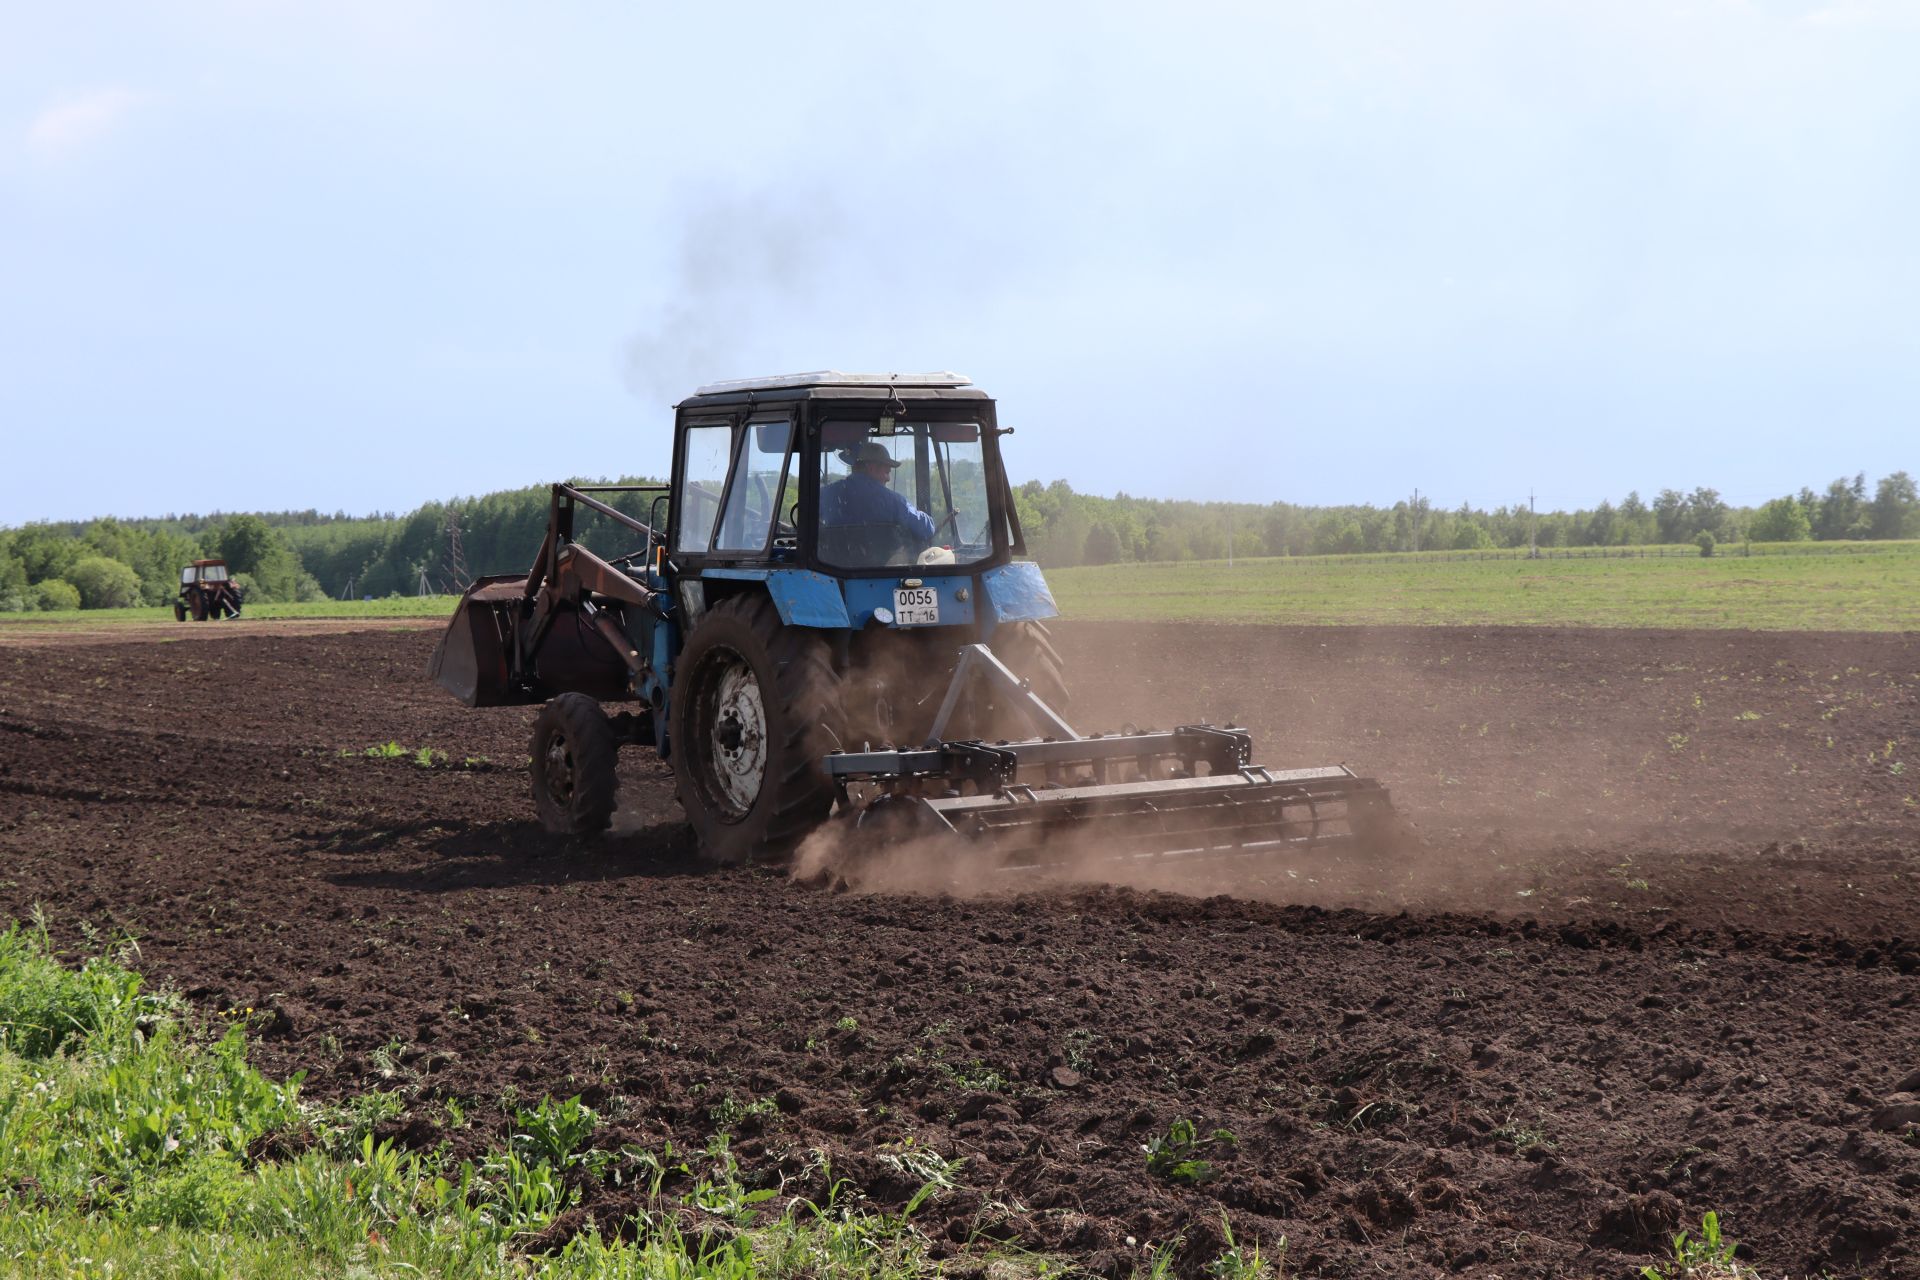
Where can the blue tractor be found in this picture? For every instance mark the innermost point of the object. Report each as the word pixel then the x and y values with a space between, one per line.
pixel 823 618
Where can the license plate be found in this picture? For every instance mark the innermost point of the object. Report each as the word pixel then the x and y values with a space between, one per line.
pixel 916 606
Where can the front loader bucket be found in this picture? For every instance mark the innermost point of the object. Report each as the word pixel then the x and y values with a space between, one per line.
pixel 470 662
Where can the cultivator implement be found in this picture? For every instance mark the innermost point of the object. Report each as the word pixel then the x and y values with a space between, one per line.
pixel 1190 792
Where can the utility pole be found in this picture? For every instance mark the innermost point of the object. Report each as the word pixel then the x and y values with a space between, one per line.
pixel 1416 517
pixel 1229 535
pixel 1533 529
pixel 456 553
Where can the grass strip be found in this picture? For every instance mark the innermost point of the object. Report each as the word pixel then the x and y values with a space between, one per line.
pixel 137 1141
pixel 1862 591
pixel 390 607
pixel 132 1141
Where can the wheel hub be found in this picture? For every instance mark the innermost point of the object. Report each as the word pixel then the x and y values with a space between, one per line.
pixel 739 738
pixel 559 769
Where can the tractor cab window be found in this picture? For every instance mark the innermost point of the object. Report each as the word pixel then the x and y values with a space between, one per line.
pixel 900 493
pixel 704 479
pixel 753 496
pixel 186 576
pixel 213 573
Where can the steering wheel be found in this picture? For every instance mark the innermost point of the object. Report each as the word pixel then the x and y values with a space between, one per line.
pixel 953 519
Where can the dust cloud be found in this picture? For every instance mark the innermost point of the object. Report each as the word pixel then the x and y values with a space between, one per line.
pixel 1536 774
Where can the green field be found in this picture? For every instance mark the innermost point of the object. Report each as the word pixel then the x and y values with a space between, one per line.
pixel 1855 590
pixel 390 607
pixel 1855 587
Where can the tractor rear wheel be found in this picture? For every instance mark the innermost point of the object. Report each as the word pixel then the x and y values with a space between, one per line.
pixel 197 605
pixel 574 758
pixel 754 704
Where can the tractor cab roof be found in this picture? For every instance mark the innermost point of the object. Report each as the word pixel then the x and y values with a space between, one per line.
pixel 831 384
pixel 204 564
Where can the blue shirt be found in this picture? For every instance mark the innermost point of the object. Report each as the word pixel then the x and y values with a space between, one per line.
pixel 860 499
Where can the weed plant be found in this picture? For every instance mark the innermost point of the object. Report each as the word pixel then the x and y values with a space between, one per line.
pixel 1175 1154
pixel 1707 1256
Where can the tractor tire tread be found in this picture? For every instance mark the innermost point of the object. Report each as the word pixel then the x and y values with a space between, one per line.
pixel 803 701
pixel 596 755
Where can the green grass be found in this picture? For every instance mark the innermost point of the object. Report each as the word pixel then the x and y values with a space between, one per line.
pixel 1839 587
pixel 1855 590
pixel 133 1141
pixel 130 1140
pixel 391 607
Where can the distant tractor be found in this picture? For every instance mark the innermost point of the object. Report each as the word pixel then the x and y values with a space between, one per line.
pixel 207 593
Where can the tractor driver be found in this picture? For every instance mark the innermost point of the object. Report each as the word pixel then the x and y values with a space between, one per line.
pixel 865 497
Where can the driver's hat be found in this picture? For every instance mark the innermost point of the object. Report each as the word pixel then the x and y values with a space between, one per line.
pixel 873 451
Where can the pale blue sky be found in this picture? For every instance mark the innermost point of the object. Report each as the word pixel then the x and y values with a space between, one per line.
pixel 362 255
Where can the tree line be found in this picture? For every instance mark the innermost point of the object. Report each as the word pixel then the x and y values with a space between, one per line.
pixel 1068 528
pixel 287 555
pixel 307 555
pixel 110 564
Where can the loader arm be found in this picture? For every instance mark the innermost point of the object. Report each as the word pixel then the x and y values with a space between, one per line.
pixel 564 572
pixel 518 640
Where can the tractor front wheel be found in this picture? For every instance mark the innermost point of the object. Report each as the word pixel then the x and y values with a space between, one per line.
pixel 753 705
pixel 179 612
pixel 574 758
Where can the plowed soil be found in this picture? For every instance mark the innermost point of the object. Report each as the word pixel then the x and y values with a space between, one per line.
pixel 1655 950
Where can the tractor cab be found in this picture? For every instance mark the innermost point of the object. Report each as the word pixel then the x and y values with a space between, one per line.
pixel 842 474
pixel 857 503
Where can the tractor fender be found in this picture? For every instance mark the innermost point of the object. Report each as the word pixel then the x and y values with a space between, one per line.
pixel 1018 593
pixel 802 597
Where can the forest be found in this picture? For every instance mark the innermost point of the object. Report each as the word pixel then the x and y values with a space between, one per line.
pixel 440 546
